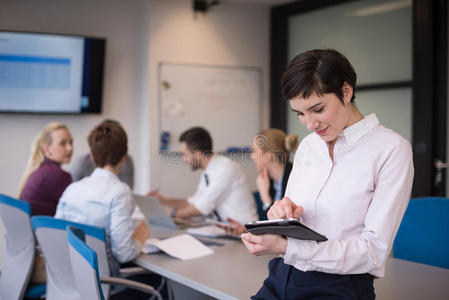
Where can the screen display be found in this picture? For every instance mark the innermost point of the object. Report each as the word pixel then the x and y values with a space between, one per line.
pixel 50 73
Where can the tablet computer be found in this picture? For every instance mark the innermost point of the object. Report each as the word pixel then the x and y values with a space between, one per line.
pixel 286 227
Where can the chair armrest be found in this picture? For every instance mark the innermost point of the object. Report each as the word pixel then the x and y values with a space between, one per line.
pixel 127 272
pixel 131 284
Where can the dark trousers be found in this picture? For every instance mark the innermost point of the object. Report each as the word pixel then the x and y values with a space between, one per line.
pixel 287 283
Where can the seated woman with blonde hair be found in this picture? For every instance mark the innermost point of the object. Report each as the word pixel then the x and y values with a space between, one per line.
pixel 44 181
pixel 271 152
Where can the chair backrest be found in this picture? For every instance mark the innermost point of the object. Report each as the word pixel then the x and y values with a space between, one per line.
pixel 20 248
pixel 84 265
pixel 424 232
pixel 52 237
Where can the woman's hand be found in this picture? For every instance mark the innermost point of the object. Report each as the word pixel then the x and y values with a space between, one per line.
pixel 234 228
pixel 263 185
pixel 284 208
pixel 264 243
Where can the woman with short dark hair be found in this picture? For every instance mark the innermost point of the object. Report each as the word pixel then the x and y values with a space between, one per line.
pixel 351 181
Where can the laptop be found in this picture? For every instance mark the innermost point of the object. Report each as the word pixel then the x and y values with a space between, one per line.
pixel 155 213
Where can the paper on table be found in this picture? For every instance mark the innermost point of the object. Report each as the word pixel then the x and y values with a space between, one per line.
pixel 149 246
pixel 182 246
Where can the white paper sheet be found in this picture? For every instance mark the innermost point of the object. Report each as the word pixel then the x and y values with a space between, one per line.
pixel 182 247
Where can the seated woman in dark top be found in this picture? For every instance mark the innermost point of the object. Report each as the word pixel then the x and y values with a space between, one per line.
pixel 44 181
pixel 271 153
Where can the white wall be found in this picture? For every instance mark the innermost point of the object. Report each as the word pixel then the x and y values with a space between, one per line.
pixel 139 35
pixel 229 34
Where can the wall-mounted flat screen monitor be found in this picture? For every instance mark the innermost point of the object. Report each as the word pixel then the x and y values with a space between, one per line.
pixel 50 73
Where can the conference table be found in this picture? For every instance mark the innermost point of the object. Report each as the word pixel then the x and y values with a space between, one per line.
pixel 232 273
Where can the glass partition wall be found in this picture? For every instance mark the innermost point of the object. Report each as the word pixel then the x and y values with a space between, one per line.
pixel 376 37
pixel 399 51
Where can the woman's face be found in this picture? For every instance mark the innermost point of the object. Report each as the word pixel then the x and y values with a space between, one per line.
pixel 259 157
pixel 326 115
pixel 61 148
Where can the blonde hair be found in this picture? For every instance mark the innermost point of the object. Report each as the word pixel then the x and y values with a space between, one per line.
pixel 277 142
pixel 37 155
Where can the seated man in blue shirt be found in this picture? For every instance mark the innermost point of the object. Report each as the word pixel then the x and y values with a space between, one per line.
pixel 102 200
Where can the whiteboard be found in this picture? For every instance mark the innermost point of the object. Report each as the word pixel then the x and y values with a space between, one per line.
pixel 224 100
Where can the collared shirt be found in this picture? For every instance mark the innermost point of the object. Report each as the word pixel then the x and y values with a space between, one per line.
pixel 44 188
pixel 357 199
pixel 277 190
pixel 227 191
pixel 103 200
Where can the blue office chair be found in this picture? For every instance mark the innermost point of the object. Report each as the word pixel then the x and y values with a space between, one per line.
pixel 260 212
pixel 84 263
pixel 424 232
pixel 20 251
pixel 85 269
pixel 52 237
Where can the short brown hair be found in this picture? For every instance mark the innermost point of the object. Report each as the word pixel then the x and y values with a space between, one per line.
pixel 320 72
pixel 108 144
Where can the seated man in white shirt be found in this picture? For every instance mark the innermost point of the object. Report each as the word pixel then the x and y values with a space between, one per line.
pixel 222 191
pixel 102 200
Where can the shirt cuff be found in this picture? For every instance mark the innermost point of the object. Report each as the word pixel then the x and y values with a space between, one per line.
pixel 139 246
pixel 299 253
pixel 202 209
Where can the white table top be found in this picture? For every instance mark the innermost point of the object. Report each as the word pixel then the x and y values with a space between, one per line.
pixel 232 273
pixel 412 281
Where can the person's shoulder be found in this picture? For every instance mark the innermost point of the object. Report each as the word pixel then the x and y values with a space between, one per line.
pixel 387 138
pixel 219 161
pixel 73 189
pixel 224 166
pixel 50 174
pixel 119 188
pixel 35 181
pixel 38 174
pixel 108 181
pixel 66 175
pixel 121 195
pixel 386 142
pixel 309 142
pixel 123 188
pixel 311 139
pixel 59 175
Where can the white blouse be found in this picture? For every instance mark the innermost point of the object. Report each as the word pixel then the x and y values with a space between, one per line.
pixel 357 199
